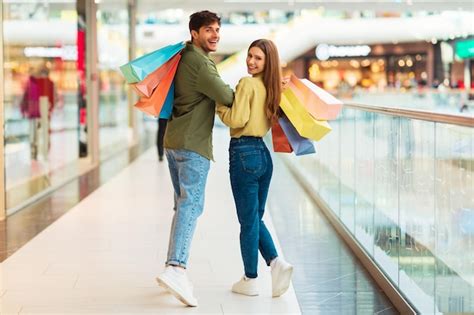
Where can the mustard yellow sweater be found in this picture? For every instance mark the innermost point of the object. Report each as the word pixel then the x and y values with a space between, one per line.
pixel 247 116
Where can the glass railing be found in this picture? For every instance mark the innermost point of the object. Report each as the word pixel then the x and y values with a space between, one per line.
pixel 449 101
pixel 402 183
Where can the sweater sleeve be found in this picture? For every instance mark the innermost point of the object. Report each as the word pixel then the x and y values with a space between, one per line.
pixel 210 84
pixel 238 115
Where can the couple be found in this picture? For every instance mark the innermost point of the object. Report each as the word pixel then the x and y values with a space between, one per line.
pixel 188 143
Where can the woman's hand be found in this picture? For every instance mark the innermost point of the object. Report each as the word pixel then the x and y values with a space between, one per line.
pixel 285 81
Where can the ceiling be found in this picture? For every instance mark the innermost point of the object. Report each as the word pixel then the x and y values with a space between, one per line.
pixel 354 5
pixel 145 6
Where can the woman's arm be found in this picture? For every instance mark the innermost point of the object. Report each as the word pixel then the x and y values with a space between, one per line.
pixel 238 115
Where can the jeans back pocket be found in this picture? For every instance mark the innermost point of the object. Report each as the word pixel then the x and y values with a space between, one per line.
pixel 252 161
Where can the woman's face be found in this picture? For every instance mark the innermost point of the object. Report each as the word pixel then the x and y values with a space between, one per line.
pixel 255 61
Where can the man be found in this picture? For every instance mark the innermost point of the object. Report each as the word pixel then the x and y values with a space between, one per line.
pixel 160 135
pixel 188 144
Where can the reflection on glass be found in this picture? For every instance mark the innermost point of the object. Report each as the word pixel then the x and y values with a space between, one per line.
pixel 454 186
pixel 113 43
pixel 329 154
pixel 41 142
pixel 347 178
pixel 386 194
pixel 416 187
pixel 411 190
pixel 364 183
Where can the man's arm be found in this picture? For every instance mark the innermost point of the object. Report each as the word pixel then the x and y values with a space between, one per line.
pixel 210 84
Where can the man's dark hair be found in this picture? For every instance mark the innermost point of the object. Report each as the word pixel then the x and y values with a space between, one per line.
pixel 202 18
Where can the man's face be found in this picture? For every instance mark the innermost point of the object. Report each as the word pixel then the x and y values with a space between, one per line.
pixel 207 37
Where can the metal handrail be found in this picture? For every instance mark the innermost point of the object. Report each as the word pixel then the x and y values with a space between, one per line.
pixel 458 120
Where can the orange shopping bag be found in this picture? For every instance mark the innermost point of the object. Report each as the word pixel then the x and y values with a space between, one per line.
pixel 279 139
pixel 147 85
pixel 152 105
pixel 319 103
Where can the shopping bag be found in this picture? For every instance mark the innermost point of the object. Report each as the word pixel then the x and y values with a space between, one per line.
pixel 279 139
pixel 319 103
pixel 167 109
pixel 306 125
pixel 147 85
pixel 300 145
pixel 153 105
pixel 137 69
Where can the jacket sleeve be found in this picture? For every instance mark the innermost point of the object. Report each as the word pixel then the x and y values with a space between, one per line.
pixel 238 115
pixel 210 84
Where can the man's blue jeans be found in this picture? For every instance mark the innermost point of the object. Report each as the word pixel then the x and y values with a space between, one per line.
pixel 188 172
pixel 251 170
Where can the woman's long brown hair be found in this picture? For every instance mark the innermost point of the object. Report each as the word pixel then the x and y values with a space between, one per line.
pixel 271 77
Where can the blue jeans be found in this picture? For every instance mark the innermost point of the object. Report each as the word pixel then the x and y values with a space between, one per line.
pixel 251 170
pixel 188 171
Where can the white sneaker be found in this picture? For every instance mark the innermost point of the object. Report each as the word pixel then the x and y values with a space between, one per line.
pixel 281 276
pixel 177 283
pixel 246 286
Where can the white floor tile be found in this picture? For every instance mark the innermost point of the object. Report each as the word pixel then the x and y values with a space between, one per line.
pixel 9 308
pixel 257 306
pixel 167 306
pixel 117 280
pixel 16 281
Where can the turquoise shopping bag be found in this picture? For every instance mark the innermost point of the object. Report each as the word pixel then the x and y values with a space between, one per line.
pixel 137 69
pixel 168 105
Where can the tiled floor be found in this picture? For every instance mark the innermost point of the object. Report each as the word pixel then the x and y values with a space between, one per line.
pixel 101 257
pixel 27 223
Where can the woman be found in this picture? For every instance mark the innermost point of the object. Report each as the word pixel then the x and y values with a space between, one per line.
pixel 255 106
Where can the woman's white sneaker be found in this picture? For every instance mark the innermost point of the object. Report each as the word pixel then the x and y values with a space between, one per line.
pixel 246 286
pixel 281 276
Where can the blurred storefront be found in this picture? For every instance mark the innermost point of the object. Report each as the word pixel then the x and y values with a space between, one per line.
pixel 53 90
pixel 40 96
pixel 368 66
pixel 113 45
pixel 462 74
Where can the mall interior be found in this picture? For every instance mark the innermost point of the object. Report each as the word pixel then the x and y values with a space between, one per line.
pixel 379 221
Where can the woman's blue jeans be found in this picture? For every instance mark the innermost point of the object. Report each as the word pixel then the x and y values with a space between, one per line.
pixel 251 170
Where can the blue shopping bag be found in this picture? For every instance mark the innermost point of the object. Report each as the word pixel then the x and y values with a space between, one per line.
pixel 168 105
pixel 300 145
pixel 137 69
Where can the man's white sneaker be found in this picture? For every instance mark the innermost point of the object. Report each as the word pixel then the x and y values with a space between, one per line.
pixel 281 276
pixel 177 283
pixel 246 286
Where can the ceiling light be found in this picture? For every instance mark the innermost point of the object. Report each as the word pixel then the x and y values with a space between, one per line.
pixel 365 63
pixel 354 63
